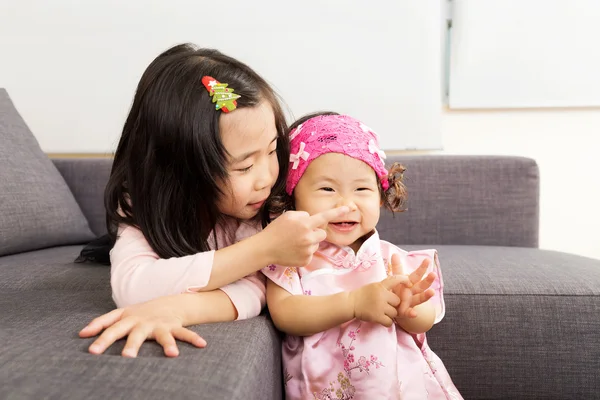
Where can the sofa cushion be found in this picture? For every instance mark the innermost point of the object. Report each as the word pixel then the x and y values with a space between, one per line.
pixel 52 269
pixel 37 207
pixel 45 299
pixel 44 358
pixel 520 322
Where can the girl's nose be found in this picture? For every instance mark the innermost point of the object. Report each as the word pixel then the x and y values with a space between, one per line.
pixel 264 179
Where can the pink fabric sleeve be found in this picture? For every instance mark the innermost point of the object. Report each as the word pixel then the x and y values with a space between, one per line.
pixel 286 277
pixel 410 261
pixel 247 295
pixel 138 274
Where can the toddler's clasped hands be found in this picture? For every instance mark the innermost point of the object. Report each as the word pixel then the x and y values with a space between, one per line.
pixel 395 297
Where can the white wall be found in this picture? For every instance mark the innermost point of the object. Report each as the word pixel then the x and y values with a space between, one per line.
pixel 566 146
pixel 525 53
pixel 72 66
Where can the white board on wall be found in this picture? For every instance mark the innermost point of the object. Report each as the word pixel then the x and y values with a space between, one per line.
pixel 525 53
pixel 72 67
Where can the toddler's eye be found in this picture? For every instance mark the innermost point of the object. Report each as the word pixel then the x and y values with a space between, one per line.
pixel 327 189
pixel 363 188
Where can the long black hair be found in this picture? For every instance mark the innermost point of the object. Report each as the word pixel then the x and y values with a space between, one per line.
pixel 170 157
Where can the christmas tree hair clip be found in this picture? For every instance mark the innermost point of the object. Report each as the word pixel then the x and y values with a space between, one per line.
pixel 223 96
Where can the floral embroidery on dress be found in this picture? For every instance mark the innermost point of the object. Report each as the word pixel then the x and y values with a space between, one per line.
pixel 388 267
pixel 290 272
pixel 346 391
pixel 362 364
pixel 432 368
pixel 362 261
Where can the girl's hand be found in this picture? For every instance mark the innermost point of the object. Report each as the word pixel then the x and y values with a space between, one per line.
pixel 414 294
pixel 376 302
pixel 150 320
pixel 293 237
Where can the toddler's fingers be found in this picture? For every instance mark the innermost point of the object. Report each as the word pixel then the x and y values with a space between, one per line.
pixel 189 336
pixel 385 321
pixel 410 313
pixel 390 311
pixel 396 265
pixel 137 337
pixel 417 274
pixel 391 298
pixel 405 302
pixel 111 335
pixel 422 297
pixel 165 338
pixel 425 283
pixel 391 282
pixel 102 322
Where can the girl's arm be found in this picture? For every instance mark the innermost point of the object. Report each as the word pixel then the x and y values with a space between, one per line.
pixel 303 315
pixel 138 274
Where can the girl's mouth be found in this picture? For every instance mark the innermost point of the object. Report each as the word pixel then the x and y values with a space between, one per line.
pixel 257 204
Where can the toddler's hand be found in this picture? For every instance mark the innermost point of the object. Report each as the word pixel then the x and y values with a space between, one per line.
pixel 293 237
pixel 376 302
pixel 150 320
pixel 416 292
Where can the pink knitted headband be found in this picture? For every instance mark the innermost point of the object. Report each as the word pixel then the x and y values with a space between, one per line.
pixel 334 134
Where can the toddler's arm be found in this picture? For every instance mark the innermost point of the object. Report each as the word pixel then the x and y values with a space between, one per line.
pixel 304 315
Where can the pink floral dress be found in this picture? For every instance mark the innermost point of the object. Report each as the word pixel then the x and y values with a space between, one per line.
pixel 360 360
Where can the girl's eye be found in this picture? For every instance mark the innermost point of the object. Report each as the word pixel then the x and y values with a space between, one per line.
pixel 242 170
pixel 327 189
pixel 272 151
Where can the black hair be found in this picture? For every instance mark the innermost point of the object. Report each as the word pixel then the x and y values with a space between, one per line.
pixel 170 157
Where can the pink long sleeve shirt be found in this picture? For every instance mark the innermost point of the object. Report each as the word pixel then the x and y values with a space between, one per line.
pixel 138 274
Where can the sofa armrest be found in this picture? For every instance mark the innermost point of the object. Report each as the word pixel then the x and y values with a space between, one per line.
pixel 87 178
pixel 466 200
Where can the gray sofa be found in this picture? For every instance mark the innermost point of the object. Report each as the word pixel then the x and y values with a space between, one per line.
pixel 521 323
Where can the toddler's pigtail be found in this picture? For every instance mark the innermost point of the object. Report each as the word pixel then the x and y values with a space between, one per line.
pixel 395 197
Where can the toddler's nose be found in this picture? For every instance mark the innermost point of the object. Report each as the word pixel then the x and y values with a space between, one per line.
pixel 342 201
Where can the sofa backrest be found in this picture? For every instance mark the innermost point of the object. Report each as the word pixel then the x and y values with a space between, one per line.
pixel 466 200
pixel 460 200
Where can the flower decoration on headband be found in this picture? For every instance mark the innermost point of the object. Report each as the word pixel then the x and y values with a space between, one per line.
pixel 373 148
pixel 223 96
pixel 295 158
